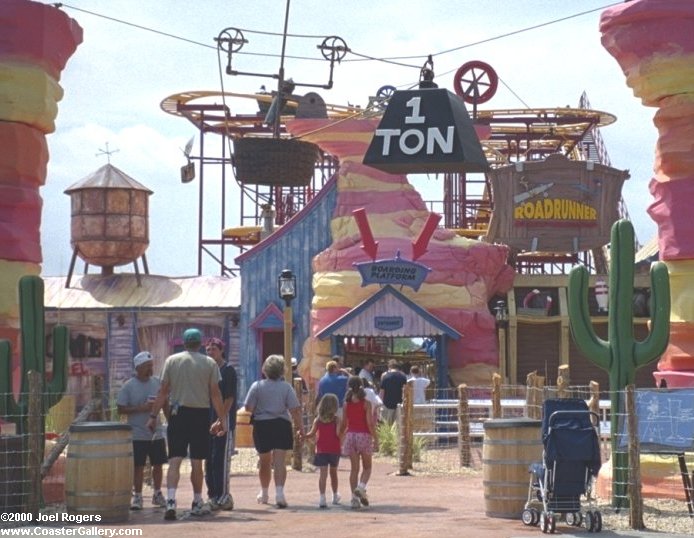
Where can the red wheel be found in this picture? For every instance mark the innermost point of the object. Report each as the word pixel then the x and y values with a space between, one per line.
pixel 475 82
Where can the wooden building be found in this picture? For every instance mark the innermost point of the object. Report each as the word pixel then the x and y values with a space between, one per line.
pixel 539 339
pixel 112 318
pixel 261 312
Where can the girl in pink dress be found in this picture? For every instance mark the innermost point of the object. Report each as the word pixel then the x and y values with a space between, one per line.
pixel 359 439
pixel 325 427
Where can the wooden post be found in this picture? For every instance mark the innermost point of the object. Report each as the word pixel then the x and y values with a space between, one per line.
pixel 405 433
pixel 35 443
pixel 503 346
pixel 287 324
pixel 464 427
pixel 297 463
pixel 534 395
pixel 634 487
pixel 563 381
pixel 496 396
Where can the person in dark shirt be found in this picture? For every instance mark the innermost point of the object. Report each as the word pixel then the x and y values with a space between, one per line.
pixel 392 383
pixel 218 462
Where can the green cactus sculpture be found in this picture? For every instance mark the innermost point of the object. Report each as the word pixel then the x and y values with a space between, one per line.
pixel 620 355
pixel 33 356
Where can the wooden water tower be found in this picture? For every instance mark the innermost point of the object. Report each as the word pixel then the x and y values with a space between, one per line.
pixel 109 221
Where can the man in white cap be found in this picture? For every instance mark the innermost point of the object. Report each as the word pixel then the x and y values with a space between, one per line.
pixel 189 382
pixel 135 401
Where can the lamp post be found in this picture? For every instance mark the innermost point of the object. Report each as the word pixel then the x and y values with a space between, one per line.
pixel 286 285
pixel 501 315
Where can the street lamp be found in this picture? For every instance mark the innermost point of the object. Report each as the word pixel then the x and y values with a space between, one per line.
pixel 501 316
pixel 286 285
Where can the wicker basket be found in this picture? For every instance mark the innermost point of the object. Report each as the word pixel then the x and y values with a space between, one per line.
pixel 274 161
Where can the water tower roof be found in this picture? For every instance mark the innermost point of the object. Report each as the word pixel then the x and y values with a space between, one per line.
pixel 107 177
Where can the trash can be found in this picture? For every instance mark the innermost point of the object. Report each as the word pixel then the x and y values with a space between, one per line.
pixel 244 429
pixel 99 470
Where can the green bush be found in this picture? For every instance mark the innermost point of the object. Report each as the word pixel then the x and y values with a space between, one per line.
pixel 419 445
pixel 387 439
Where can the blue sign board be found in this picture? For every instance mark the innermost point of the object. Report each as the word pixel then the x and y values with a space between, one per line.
pixel 394 271
pixel 665 420
pixel 388 323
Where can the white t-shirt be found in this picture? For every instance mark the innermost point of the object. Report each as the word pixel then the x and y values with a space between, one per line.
pixel 418 386
pixel 365 374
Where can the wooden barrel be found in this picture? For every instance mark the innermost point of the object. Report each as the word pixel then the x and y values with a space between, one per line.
pixel 99 470
pixel 510 446
pixel 244 429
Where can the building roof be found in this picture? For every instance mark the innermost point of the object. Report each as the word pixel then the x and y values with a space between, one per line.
pixel 107 177
pixel 648 252
pixel 120 291
pixel 388 313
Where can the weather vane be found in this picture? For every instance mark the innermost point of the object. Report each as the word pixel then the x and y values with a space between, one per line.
pixel 107 152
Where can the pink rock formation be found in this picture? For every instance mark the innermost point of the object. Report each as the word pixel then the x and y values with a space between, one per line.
pixel 465 273
pixel 653 43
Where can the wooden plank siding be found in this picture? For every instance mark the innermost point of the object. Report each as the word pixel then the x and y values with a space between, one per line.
pixel 292 247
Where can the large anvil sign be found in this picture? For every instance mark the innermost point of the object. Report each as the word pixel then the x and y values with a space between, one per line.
pixel 426 131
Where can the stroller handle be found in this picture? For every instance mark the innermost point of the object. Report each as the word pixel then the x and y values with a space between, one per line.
pixel 568 413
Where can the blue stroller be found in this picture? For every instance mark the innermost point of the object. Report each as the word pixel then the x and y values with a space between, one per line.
pixel 570 463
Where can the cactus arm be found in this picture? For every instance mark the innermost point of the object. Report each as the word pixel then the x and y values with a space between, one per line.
pixel 595 349
pixel 33 355
pixel 8 407
pixel 655 343
pixel 56 387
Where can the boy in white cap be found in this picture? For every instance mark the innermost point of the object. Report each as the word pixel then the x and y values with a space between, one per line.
pixel 135 401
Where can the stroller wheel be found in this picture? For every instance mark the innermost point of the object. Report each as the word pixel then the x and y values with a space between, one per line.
pixel 574 519
pixel 527 517
pixel 552 523
pixel 536 516
pixel 544 522
pixel 589 521
pixel 597 523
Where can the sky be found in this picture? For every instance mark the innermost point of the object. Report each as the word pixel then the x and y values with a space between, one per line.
pixel 118 76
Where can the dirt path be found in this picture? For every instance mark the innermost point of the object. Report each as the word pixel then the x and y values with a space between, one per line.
pixel 402 506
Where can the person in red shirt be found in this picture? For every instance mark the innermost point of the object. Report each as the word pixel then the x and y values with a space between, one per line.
pixel 359 439
pixel 326 427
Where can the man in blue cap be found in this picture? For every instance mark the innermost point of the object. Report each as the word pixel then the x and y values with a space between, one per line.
pixel 189 381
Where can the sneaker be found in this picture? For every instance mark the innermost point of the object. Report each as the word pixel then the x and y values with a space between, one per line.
pixel 170 513
pixel 214 505
pixel 158 499
pixel 322 503
pixel 200 508
pixel 136 503
pixel 226 502
pixel 336 498
pixel 355 503
pixel 360 493
pixel 262 498
pixel 280 501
